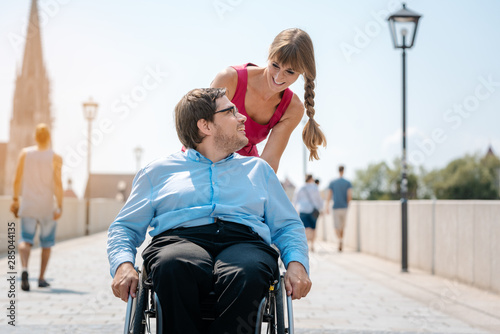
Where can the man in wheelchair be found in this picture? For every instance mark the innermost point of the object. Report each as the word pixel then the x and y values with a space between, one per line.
pixel 214 215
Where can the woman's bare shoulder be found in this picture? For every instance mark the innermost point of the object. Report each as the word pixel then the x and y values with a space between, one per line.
pixel 227 78
pixel 295 109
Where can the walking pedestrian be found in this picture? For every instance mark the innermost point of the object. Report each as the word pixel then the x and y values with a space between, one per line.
pixel 38 180
pixel 308 203
pixel 341 191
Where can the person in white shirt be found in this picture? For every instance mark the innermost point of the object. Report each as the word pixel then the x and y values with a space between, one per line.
pixel 308 203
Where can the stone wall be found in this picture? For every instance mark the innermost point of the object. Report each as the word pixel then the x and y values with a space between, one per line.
pixel 459 240
pixel 72 222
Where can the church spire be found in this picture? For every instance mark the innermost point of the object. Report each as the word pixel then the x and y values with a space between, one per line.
pixel 31 104
pixel 31 97
pixel 33 60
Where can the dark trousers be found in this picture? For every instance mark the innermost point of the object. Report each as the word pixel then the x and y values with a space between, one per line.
pixel 228 258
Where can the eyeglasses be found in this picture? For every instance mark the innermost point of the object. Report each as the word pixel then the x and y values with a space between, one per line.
pixel 233 109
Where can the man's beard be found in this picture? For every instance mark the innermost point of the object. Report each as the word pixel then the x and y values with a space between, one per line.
pixel 227 143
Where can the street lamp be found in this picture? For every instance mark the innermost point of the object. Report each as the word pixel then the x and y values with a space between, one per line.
pixel 138 154
pixel 89 112
pixel 121 187
pixel 403 25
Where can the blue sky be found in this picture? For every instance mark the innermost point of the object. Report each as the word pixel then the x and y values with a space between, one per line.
pixel 136 59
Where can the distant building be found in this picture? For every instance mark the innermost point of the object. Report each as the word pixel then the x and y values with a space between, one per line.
pixel 31 104
pixel 117 186
pixel 289 188
pixel 3 154
pixel 490 151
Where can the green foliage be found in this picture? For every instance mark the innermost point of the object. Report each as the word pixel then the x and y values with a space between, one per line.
pixel 470 177
pixel 380 182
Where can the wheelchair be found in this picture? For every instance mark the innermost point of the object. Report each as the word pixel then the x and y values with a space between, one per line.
pixel 143 315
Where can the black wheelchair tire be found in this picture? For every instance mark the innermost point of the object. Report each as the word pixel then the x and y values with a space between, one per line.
pixel 280 307
pixel 141 305
pixel 260 315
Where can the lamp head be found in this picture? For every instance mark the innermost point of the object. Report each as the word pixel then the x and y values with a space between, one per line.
pixel 90 109
pixel 403 23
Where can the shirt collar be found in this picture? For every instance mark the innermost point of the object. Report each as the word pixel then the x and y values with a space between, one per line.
pixel 194 155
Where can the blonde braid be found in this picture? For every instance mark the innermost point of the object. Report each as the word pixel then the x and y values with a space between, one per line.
pixel 311 135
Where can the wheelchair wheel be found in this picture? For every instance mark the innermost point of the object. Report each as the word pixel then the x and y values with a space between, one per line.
pixel 158 314
pixel 280 307
pixel 271 311
pixel 260 315
pixel 141 306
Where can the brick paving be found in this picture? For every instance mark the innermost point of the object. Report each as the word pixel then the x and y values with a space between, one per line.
pixel 352 293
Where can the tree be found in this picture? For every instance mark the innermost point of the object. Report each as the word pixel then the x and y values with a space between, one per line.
pixel 371 184
pixel 380 182
pixel 470 177
pixel 395 177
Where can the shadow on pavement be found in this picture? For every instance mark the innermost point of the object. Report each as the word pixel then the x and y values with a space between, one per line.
pixel 59 291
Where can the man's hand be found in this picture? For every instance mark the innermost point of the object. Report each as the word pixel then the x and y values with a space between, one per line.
pixel 297 282
pixel 57 213
pixel 14 208
pixel 125 281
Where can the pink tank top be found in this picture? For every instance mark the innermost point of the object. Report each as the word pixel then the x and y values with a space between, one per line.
pixel 256 132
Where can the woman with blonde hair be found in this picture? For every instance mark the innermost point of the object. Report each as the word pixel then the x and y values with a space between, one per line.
pixel 263 96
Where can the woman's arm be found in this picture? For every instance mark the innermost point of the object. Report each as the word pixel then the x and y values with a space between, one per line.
pixel 280 134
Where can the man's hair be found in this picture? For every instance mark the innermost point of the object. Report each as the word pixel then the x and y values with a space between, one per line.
pixel 42 134
pixel 198 104
pixel 341 169
pixel 309 177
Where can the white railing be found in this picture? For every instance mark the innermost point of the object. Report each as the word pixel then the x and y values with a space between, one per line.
pixel 459 240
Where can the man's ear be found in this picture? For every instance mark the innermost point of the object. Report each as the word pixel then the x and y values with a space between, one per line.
pixel 204 127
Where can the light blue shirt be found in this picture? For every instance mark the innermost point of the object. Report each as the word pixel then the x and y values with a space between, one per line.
pixel 307 198
pixel 186 190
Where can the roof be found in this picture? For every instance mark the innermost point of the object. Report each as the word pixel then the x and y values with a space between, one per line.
pixel 490 152
pixel 110 185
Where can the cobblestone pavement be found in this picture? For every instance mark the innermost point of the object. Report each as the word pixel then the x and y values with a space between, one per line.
pixel 352 293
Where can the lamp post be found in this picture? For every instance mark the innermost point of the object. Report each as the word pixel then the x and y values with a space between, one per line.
pixel 121 187
pixel 138 154
pixel 89 112
pixel 403 25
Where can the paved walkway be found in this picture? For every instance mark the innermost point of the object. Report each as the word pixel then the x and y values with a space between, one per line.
pixel 352 293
